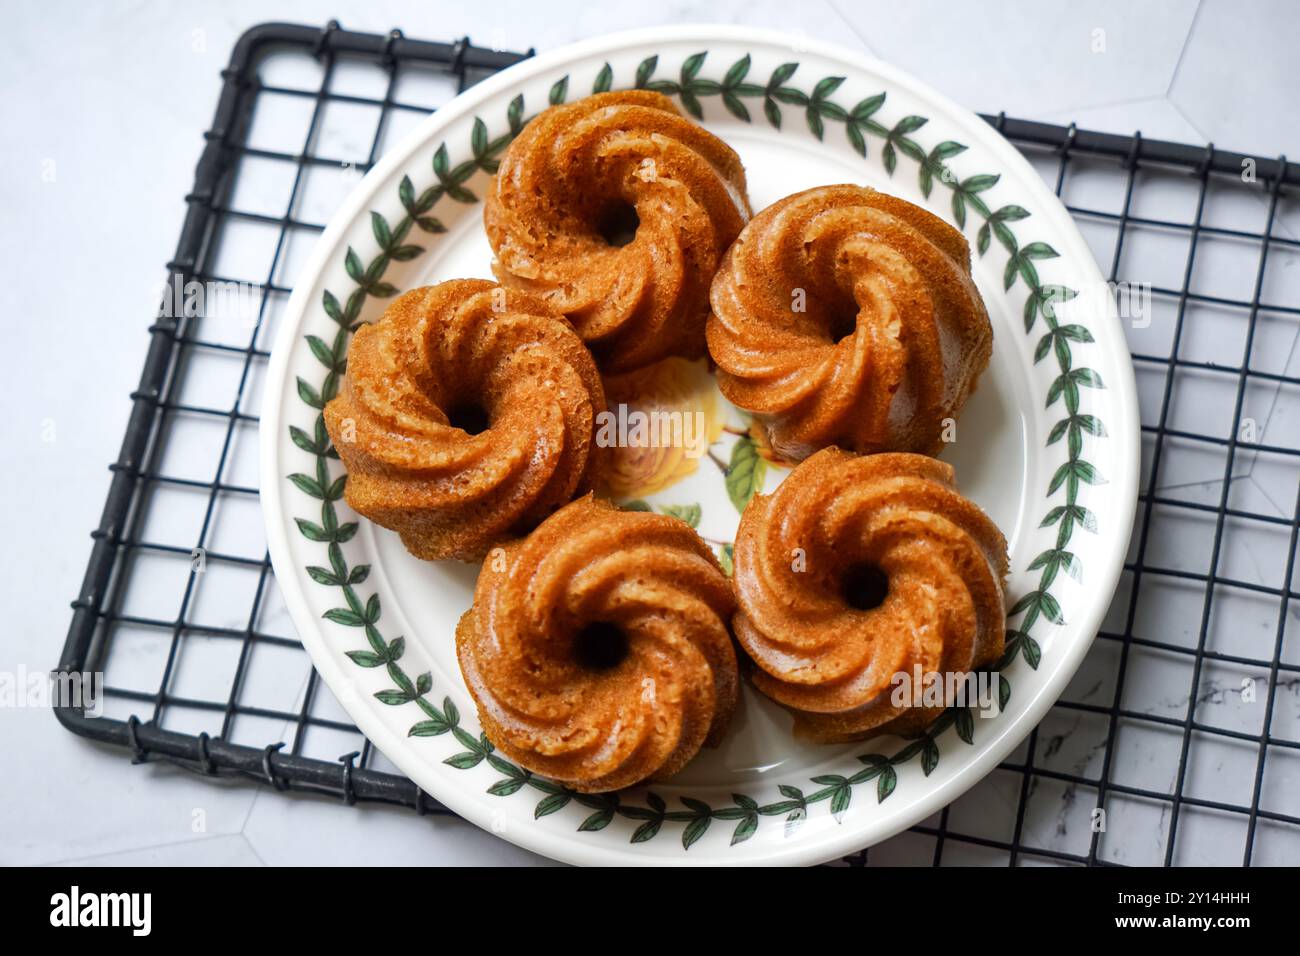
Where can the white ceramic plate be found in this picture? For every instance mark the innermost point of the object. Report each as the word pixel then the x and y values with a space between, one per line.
pixel 1048 446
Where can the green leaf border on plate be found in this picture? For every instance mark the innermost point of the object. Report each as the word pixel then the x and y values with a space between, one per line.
pixel 861 122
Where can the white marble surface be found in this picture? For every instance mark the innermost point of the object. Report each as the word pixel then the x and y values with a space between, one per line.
pixel 103 107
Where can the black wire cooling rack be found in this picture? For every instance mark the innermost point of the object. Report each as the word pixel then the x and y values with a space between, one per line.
pixel 1184 721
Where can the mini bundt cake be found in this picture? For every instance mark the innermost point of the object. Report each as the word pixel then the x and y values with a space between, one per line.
pixel 598 648
pixel 616 211
pixel 858 568
pixel 845 316
pixel 466 416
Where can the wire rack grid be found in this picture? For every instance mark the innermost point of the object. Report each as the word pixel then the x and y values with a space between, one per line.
pixel 1183 723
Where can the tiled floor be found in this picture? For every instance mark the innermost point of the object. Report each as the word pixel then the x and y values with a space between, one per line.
pixel 1160 67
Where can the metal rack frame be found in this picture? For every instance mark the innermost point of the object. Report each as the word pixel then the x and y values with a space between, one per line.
pixel 283 765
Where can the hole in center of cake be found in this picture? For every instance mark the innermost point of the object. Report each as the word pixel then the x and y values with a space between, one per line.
pixel 600 646
pixel 618 224
pixel 864 587
pixel 843 323
pixel 469 417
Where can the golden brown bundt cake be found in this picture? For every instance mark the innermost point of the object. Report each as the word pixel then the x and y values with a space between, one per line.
pixel 616 211
pixel 598 648
pixel 859 568
pixel 845 316
pixel 466 417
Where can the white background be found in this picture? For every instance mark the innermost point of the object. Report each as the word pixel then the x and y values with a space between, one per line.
pixel 114 99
